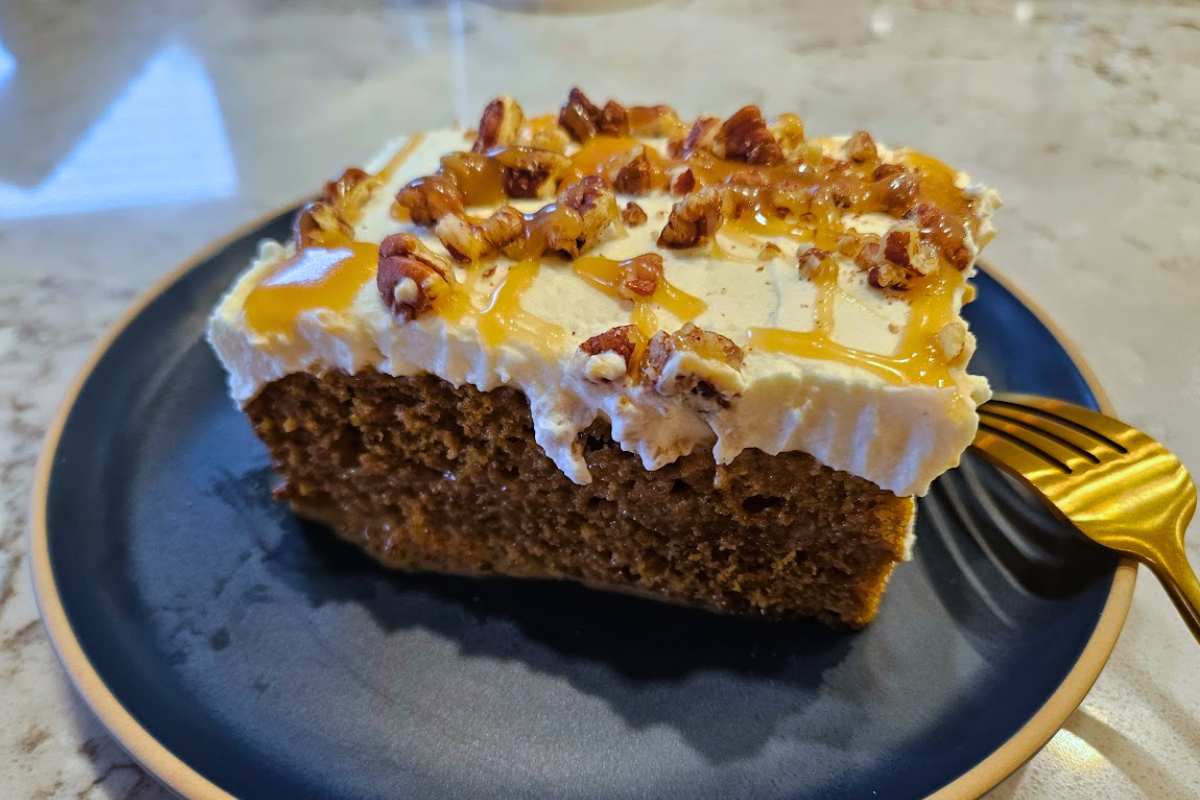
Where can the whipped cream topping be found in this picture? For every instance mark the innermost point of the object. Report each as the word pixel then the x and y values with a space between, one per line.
pixel 899 435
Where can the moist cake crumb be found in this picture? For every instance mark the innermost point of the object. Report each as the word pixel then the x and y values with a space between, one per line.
pixel 426 476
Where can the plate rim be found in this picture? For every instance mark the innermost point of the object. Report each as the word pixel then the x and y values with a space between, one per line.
pixel 186 781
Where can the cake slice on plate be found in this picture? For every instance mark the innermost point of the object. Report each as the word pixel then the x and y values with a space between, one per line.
pixel 711 363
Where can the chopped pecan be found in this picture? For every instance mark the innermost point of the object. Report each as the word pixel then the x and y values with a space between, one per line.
pixel 640 276
pixel 946 233
pixel 694 219
pixel 462 239
pixel 870 252
pixel 707 375
pixel 529 172
pixel 886 275
pixel 895 188
pixel 710 345
pixel 636 177
pixel 340 190
pixel 430 198
pixel 684 182
pixel 658 352
pixel 499 125
pixel 702 136
pixel 622 340
pixel 810 259
pixel 654 121
pixel 860 147
pixel 580 116
pixel 789 132
pixel 565 232
pixel 504 226
pixel 633 214
pixel 410 276
pixel 895 247
pixel 541 135
pixel 614 119
pixel 319 224
pixel 745 137
pixel 595 203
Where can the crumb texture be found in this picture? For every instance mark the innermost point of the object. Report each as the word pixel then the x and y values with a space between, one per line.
pixel 426 476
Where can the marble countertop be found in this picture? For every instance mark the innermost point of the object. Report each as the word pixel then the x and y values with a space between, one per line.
pixel 133 133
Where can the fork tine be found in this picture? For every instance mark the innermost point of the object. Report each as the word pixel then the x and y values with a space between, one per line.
pixel 1066 458
pixel 1113 432
pixel 1026 461
pixel 1084 445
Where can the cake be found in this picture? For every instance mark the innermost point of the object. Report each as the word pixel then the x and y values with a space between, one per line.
pixel 711 363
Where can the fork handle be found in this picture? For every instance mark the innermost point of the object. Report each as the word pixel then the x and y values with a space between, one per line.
pixel 1170 566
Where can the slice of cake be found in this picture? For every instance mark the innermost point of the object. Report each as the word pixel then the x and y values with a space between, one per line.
pixel 711 363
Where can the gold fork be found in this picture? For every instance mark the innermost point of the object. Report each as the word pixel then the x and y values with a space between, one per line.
pixel 1118 486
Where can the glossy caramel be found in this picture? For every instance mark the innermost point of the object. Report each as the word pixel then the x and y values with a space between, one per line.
pixel 504 318
pixel 917 358
pixel 314 278
pixel 607 275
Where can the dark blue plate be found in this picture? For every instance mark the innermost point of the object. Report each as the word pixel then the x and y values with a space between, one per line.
pixel 234 648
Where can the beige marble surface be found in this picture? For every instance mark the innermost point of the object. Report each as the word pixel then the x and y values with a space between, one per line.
pixel 132 133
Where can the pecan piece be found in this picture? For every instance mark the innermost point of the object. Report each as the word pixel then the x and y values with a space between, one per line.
pixel 504 226
pixel 706 373
pixel 684 182
pixel 499 125
pixel 886 275
pixel 595 203
pixel 636 177
pixel 788 130
pixel 622 340
pixel 410 276
pixel 710 345
pixel 702 136
pixel 947 234
pixel 895 188
pixel 895 248
pixel 640 276
pixel 463 240
pixel 580 116
pixel 860 148
pixel 319 224
pixel 337 191
pixel 746 137
pixel 613 120
pixel 693 220
pixel 633 214
pixel 810 259
pixel 430 198
pixel 529 172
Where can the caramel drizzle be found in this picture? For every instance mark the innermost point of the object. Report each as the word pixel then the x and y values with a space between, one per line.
pixel 331 276
pixel 504 318
pixel 607 275
pixel 399 157
pixel 917 358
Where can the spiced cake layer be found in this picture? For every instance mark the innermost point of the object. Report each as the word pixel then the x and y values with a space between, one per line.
pixel 709 362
